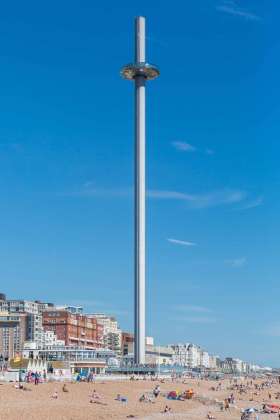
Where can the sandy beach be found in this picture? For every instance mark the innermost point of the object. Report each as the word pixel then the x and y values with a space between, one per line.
pixel 37 403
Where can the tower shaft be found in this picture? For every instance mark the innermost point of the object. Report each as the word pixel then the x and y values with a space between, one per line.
pixel 140 72
pixel 140 197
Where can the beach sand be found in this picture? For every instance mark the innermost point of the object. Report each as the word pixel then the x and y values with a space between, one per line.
pixel 37 404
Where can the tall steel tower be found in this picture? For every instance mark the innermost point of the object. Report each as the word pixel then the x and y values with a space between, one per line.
pixel 140 71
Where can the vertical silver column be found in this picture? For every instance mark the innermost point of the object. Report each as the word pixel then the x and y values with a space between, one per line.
pixel 140 72
pixel 140 196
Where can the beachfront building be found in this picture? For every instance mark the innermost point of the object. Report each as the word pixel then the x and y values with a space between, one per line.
pixel 214 362
pixel 159 355
pixel 35 331
pixel 180 354
pixel 231 365
pixel 31 349
pixel 13 330
pixel 78 359
pixel 74 329
pixel 33 328
pixel 190 356
pixel 112 334
pixel 22 306
pixel 204 359
pixel 50 340
pixel 194 356
pixel 127 344
pixel 257 368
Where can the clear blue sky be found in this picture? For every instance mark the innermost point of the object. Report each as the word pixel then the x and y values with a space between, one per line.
pixel 66 165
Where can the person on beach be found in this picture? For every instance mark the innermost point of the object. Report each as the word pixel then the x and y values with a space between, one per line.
pixel 90 377
pixel 156 391
pixel 167 409
pixel 121 398
pixel 210 416
pixel 141 399
pixel 36 378
pixel 146 398
pixel 95 395
pixel 231 399
pixel 226 404
pixel 64 388
pixel 55 395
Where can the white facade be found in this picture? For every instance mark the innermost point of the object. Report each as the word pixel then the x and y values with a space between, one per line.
pixel 232 365
pixel 149 341
pixel 204 359
pixel 35 328
pixel 19 306
pixel 159 355
pixel 180 354
pixel 112 334
pixel 213 362
pixel 190 355
pixel 50 340
pixel 194 356
pixel 33 309
pixel 238 365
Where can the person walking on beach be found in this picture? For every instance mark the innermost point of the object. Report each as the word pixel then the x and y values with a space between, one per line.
pixel 36 378
pixel 226 404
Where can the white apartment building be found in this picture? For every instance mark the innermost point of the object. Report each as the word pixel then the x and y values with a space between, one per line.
pixel 180 354
pixel 33 310
pixel 30 349
pixel 213 362
pixel 12 306
pixel 232 365
pixel 204 359
pixel 112 334
pixel 194 356
pixel 50 340
pixel 238 365
pixel 189 355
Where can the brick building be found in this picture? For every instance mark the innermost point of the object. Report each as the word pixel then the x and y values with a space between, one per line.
pixel 73 328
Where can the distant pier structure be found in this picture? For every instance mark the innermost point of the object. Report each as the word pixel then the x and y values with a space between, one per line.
pixel 140 72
